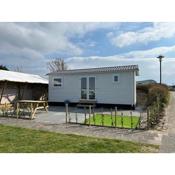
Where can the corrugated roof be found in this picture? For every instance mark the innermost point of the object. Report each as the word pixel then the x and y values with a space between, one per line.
pixel 21 77
pixel 99 70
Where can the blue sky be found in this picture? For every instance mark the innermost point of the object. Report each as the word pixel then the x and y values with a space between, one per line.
pixel 83 45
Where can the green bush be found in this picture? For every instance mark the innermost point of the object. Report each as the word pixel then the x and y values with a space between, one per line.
pixel 143 88
pixel 157 100
pixel 155 92
pixel 158 94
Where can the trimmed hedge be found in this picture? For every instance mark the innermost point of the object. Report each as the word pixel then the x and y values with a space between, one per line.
pixel 157 100
pixel 155 92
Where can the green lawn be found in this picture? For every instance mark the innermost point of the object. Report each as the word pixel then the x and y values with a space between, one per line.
pixel 21 140
pixel 97 120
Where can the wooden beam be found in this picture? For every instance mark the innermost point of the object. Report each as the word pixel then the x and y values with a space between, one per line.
pixel 19 96
pixel 5 84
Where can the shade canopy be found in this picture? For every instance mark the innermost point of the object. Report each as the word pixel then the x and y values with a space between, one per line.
pixel 21 77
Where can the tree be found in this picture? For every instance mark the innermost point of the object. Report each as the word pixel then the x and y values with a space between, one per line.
pixel 18 69
pixel 57 65
pixel 2 67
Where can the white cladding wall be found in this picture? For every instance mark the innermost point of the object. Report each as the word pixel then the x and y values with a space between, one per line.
pixel 107 91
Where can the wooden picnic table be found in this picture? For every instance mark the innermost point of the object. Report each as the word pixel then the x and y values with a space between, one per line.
pixel 32 105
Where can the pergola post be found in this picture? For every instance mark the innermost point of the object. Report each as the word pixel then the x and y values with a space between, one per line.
pixel 2 92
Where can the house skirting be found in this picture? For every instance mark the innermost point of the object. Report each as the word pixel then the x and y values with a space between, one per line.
pixel 98 105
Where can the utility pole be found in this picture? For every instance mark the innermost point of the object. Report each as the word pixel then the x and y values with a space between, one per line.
pixel 160 57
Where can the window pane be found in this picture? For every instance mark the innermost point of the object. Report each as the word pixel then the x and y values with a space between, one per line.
pixel 91 83
pixel 83 83
pixel 83 94
pixel 115 78
pixel 57 84
pixel 92 95
pixel 57 81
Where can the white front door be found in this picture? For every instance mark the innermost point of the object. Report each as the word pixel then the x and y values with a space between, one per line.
pixel 88 88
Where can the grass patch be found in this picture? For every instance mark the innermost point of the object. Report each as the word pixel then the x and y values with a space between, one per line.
pixel 22 140
pixel 121 122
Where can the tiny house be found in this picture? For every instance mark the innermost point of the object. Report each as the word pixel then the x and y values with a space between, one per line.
pixel 106 86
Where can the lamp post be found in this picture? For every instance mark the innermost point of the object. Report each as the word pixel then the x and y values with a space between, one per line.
pixel 160 57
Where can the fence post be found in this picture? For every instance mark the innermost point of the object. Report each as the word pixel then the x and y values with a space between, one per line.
pixel 17 110
pixel 148 113
pixel 122 119
pixel 66 111
pixel 111 118
pixel 131 120
pixel 69 117
pixel 89 115
pixel 115 116
pixel 102 119
pixel 85 115
pixel 94 116
pixel 76 118
pixel 140 120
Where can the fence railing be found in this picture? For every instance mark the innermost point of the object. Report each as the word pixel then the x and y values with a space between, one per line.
pixel 106 117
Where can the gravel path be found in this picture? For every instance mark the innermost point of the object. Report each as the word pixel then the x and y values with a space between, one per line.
pixel 168 139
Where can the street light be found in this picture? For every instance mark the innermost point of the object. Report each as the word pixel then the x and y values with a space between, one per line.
pixel 160 57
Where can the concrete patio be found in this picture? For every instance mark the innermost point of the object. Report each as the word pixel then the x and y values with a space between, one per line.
pixel 57 115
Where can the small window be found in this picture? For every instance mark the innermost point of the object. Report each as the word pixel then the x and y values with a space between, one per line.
pixel 57 82
pixel 116 78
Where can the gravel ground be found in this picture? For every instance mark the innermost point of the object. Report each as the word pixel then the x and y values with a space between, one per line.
pixel 168 139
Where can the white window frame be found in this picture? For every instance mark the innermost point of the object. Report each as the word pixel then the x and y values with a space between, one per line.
pixel 53 82
pixel 87 87
pixel 113 78
pixel 92 90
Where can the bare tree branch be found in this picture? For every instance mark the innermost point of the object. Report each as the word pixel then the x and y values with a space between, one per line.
pixel 18 69
pixel 57 65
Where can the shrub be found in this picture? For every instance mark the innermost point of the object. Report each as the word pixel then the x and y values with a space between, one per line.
pixel 155 92
pixel 159 94
pixel 156 100
pixel 143 88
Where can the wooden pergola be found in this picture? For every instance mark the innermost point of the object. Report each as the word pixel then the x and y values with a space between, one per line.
pixel 22 82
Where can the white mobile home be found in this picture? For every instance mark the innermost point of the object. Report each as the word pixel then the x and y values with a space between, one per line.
pixel 105 86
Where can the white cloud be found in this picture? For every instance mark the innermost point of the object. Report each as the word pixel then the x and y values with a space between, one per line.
pixel 47 37
pixel 151 53
pixel 156 32
pixel 38 37
pixel 27 44
pixel 148 64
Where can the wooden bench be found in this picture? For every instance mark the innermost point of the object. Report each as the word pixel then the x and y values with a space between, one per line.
pixel 32 105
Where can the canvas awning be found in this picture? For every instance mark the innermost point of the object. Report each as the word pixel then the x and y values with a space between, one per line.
pixel 21 77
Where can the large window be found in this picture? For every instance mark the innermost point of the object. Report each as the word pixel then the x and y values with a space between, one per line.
pixel 88 88
pixel 57 82
pixel 91 87
pixel 84 88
